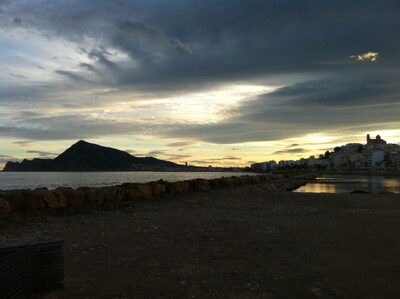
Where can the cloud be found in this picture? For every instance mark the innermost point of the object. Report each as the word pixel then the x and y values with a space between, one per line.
pixel 291 151
pixel 180 143
pixel 156 153
pixel 134 29
pixel 231 158
pixel 42 153
pixel 72 75
pixel 6 158
pixel 130 151
pixel 117 53
pixel 87 66
pixel 24 142
pixel 177 156
pixel 369 56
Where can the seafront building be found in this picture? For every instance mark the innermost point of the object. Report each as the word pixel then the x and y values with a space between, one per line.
pixel 376 154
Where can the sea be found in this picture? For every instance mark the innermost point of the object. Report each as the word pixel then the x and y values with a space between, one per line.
pixel 350 183
pixel 52 180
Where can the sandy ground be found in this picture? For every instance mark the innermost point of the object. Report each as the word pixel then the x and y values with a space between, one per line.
pixel 242 242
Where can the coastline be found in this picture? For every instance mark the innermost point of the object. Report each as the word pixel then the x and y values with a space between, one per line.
pixel 43 199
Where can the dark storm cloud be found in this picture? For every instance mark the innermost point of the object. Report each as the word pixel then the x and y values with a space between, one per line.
pixel 230 40
pixel 172 47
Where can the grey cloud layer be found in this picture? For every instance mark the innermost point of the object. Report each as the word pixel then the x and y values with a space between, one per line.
pixel 174 47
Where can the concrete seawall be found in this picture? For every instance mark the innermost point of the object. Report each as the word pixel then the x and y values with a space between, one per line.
pixel 43 199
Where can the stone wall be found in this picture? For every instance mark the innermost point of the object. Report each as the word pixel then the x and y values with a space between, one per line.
pixel 62 197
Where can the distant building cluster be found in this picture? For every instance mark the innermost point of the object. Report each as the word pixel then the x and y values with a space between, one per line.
pixel 376 154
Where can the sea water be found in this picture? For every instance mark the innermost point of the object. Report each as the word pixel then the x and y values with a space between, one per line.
pixel 52 180
pixel 350 183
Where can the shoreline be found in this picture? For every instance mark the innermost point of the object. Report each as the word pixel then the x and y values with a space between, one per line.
pixel 43 199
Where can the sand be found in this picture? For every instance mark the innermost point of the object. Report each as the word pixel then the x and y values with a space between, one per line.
pixel 241 242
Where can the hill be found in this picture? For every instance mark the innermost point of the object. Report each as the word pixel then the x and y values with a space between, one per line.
pixel 85 156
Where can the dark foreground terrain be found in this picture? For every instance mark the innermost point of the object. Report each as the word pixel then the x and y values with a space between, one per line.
pixel 242 242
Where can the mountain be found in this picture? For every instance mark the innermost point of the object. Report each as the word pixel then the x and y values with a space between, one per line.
pixel 85 156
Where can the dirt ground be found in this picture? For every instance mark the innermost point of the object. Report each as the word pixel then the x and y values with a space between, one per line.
pixel 242 242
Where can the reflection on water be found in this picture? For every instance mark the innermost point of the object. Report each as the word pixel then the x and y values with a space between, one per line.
pixel 349 183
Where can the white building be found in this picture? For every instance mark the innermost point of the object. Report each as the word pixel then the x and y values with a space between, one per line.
pixel 377 158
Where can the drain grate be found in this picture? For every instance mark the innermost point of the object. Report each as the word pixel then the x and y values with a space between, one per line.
pixel 31 268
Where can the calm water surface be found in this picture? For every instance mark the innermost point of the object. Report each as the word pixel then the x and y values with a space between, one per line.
pixel 52 180
pixel 349 183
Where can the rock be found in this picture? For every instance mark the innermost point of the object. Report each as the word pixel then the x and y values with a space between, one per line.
pixel 16 199
pixel 145 191
pixel 93 195
pixel 132 194
pixel 74 197
pixel 245 179
pixel 53 199
pixel 214 183
pixel 128 185
pixel 113 193
pixel 35 201
pixel 226 182
pixel 170 188
pixel 199 184
pixel 158 188
pixel 181 187
pixel 5 207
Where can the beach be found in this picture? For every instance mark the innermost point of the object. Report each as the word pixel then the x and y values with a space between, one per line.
pixel 239 242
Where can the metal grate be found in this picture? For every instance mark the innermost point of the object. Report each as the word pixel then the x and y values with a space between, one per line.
pixel 26 269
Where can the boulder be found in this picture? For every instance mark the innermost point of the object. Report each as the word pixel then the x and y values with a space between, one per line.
pixel 74 197
pixel 170 188
pixel 199 185
pixel 246 179
pixel 145 191
pixel 181 187
pixel 35 200
pixel 5 207
pixel 214 183
pixel 16 199
pixel 113 193
pixel 132 194
pixel 158 188
pixel 93 195
pixel 226 182
pixel 52 199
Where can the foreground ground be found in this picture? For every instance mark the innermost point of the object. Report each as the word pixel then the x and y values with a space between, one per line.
pixel 242 242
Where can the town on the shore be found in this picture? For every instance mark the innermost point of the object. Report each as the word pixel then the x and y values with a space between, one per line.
pixel 376 154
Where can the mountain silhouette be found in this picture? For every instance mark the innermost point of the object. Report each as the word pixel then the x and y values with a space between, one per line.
pixel 85 156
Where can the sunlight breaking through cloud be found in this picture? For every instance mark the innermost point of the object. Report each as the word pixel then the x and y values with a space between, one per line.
pixel 369 56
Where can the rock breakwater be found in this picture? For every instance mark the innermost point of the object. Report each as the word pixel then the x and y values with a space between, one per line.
pixel 43 199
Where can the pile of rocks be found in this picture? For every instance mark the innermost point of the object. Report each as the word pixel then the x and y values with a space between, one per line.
pixel 42 198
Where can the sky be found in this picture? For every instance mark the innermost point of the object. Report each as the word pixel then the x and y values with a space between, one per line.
pixel 222 83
